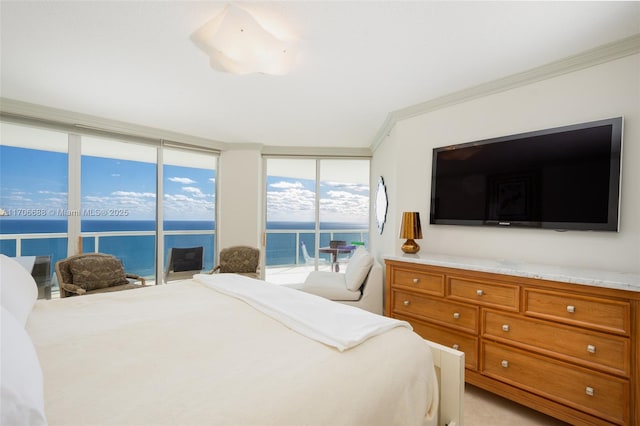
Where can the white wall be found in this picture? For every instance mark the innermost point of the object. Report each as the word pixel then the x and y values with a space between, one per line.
pixel 239 195
pixel 602 91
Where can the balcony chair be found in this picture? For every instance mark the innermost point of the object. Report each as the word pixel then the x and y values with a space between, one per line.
pixel 93 273
pixel 361 285
pixel 183 263
pixel 308 259
pixel 242 260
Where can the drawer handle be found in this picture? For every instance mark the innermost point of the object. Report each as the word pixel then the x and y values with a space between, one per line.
pixel 505 327
pixel 589 391
pixel 504 363
pixel 416 280
pixel 591 349
pixel 479 292
pixel 406 303
pixel 456 315
pixel 571 309
pixel 456 346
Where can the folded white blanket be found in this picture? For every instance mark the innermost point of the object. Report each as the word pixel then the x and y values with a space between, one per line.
pixel 331 323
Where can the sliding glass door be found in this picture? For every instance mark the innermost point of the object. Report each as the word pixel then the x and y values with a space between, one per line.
pixel 290 215
pixel 309 203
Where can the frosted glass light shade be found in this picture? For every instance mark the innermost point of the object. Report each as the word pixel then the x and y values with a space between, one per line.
pixel 235 42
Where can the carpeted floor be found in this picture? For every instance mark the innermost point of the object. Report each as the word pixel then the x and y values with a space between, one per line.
pixel 482 408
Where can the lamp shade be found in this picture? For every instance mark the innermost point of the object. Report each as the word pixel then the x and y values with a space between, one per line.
pixel 411 228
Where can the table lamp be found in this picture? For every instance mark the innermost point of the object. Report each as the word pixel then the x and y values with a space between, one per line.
pixel 411 230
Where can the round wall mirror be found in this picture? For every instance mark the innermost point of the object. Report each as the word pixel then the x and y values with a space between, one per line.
pixel 381 204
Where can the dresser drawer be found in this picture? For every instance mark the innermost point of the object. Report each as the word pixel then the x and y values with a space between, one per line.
pixel 432 283
pixel 595 393
pixel 452 314
pixel 600 314
pixel 447 337
pixel 485 293
pixel 590 348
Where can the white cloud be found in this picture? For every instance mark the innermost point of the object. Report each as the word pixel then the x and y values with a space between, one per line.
pixel 182 180
pixel 133 194
pixel 291 204
pixel 63 194
pixel 181 206
pixel 358 187
pixel 286 185
pixel 344 202
pixel 193 190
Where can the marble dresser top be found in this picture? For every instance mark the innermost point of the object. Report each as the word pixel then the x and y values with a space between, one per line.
pixel 592 277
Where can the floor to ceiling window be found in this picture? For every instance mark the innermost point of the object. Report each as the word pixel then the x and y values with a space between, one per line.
pixel 189 183
pixel 33 195
pixel 118 202
pixel 291 212
pixel 61 188
pixel 309 203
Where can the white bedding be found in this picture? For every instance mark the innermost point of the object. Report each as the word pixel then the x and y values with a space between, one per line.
pixel 331 323
pixel 184 354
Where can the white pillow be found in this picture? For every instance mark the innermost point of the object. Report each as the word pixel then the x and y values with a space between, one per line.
pixel 358 268
pixel 21 389
pixel 19 290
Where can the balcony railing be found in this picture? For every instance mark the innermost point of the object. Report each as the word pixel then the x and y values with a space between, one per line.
pixel 136 249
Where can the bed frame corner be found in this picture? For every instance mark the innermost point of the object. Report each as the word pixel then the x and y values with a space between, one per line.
pixel 449 365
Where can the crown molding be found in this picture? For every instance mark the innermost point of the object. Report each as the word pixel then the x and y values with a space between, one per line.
pixel 599 55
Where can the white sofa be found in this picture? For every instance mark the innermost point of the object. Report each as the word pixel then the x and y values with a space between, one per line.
pixel 361 285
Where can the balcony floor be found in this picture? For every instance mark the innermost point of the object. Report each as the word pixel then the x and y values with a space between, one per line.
pixel 293 274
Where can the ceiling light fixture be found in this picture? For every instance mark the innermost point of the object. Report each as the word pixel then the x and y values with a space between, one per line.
pixel 236 43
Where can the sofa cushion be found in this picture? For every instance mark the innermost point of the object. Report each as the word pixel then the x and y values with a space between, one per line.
pixel 97 272
pixel 19 290
pixel 329 285
pixel 358 268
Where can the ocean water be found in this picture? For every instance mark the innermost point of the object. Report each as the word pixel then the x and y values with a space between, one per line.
pixel 138 252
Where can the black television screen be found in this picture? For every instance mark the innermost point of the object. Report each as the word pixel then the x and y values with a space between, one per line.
pixel 562 178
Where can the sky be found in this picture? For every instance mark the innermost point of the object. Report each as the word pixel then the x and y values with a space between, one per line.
pixel 293 199
pixel 33 185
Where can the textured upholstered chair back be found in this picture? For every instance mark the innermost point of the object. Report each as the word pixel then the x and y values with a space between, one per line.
pixel 239 259
pixel 63 270
pixel 92 273
pixel 91 262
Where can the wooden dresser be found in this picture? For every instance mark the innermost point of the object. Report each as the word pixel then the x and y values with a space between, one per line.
pixel 568 350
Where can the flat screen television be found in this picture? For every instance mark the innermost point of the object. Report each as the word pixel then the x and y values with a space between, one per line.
pixel 565 178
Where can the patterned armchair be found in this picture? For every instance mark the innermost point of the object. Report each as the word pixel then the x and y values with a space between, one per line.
pixel 93 273
pixel 242 260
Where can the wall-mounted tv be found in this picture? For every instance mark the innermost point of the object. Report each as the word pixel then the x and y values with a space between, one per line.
pixel 565 178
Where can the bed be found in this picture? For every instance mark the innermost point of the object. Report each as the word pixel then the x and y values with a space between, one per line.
pixel 223 349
